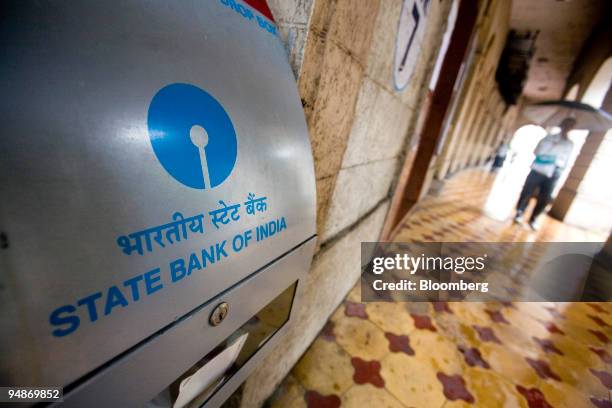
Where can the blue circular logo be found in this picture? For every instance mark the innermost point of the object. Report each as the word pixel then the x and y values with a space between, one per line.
pixel 192 136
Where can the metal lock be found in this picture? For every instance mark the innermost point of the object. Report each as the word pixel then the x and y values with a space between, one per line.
pixel 219 314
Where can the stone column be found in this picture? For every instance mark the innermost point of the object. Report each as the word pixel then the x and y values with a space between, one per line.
pixel 582 200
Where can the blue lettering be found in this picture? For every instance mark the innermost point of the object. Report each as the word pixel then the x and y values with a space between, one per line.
pixel 220 249
pixel 238 243
pixel 262 232
pixel 114 298
pixel 272 228
pixel 56 320
pixel 90 302
pixel 177 270
pixel 133 284
pixel 248 235
pixel 65 319
pixel 208 256
pixel 152 277
pixel 247 13
pixel 267 26
pixel 243 11
pixel 194 263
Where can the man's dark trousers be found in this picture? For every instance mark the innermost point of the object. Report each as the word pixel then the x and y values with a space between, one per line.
pixel 534 181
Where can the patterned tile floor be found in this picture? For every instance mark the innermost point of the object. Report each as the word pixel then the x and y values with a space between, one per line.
pixel 400 355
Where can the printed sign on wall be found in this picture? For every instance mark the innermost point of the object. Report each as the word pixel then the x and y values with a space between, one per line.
pixel 408 41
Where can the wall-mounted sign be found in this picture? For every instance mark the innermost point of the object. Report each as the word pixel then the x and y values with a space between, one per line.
pixel 450 26
pixel 408 42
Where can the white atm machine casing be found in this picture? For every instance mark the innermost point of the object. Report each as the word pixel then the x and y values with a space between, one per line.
pixel 88 165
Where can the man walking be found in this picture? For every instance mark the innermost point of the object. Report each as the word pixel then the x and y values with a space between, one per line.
pixel 552 155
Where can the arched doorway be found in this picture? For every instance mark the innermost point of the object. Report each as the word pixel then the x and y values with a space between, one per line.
pixel 585 200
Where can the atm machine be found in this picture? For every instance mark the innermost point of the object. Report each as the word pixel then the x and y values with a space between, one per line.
pixel 158 198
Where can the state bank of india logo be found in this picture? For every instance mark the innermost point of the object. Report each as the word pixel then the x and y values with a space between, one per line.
pixel 192 136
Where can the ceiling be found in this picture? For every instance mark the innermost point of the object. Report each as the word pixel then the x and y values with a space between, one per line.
pixel 564 27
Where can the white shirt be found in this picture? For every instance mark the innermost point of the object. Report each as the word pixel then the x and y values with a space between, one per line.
pixel 553 151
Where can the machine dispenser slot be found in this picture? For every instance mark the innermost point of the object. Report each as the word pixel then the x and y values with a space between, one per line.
pixel 199 383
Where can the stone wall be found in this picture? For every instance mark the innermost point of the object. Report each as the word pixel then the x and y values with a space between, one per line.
pixel 292 18
pixel 343 53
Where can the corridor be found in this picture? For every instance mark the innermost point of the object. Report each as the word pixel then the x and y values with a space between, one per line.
pixel 459 354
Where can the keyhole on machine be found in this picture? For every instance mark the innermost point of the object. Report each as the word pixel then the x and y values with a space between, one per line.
pixel 219 314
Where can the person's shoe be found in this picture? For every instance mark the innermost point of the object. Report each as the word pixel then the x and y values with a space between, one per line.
pixel 532 224
pixel 518 218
